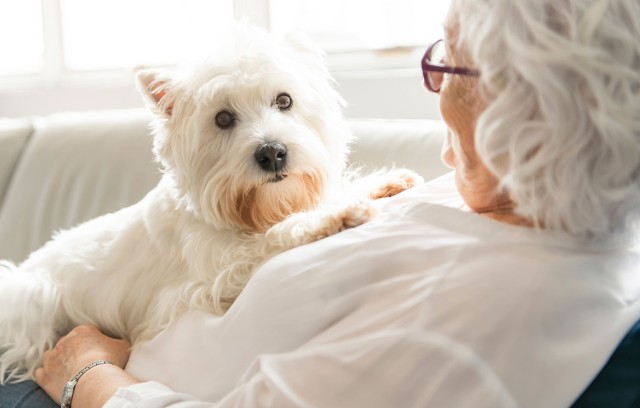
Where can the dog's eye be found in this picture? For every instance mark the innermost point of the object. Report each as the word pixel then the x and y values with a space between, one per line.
pixel 225 119
pixel 284 101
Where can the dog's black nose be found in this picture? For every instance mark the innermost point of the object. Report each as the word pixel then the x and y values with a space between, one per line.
pixel 271 156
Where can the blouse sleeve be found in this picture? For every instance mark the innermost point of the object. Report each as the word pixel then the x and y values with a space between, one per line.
pixel 403 369
pixel 151 395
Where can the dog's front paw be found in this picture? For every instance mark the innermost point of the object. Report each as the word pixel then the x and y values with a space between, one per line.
pixel 306 227
pixel 347 216
pixel 357 213
pixel 396 181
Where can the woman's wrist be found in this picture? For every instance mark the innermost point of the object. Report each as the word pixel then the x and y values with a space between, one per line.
pixel 69 387
pixel 99 384
pixel 76 351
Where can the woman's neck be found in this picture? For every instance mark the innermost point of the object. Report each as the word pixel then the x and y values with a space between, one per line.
pixel 507 216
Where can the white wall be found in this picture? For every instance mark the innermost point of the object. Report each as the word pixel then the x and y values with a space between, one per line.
pixel 394 94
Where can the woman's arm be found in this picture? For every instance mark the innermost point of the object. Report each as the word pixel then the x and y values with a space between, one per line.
pixel 396 368
pixel 75 351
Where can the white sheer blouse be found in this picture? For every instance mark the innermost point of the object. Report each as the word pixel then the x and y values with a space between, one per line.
pixel 427 306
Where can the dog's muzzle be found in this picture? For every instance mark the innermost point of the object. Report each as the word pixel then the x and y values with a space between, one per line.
pixel 271 157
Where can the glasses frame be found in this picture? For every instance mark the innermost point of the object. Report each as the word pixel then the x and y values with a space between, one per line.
pixel 428 66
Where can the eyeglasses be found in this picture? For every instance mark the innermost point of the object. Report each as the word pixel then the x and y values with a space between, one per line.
pixel 433 70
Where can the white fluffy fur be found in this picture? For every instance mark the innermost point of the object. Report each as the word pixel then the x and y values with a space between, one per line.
pixel 195 239
pixel 562 127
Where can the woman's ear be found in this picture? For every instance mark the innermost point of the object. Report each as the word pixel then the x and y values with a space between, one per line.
pixel 157 90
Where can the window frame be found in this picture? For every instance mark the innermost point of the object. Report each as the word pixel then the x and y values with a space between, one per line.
pixel 54 72
pixel 385 72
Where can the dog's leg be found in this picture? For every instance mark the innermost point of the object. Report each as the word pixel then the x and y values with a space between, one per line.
pixel 309 226
pixel 31 317
pixel 298 229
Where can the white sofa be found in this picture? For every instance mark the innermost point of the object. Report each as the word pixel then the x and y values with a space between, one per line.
pixel 63 169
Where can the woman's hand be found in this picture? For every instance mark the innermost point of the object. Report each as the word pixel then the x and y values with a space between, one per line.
pixel 80 347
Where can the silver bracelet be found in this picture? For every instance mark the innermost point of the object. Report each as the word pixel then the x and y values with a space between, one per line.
pixel 67 393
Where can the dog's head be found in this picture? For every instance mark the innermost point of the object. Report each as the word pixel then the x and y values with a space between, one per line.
pixel 253 134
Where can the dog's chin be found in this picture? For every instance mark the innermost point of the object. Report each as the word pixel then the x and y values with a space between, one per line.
pixel 276 178
pixel 258 207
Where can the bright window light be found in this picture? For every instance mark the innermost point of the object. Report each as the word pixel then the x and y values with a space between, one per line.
pixel 353 25
pixel 21 33
pixel 100 34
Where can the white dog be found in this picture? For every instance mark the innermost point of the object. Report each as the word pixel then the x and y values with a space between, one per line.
pixel 253 145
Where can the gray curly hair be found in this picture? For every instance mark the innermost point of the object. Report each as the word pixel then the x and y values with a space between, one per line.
pixel 562 126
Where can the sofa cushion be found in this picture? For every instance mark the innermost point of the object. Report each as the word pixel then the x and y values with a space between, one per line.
pixel 14 134
pixel 78 166
pixel 75 167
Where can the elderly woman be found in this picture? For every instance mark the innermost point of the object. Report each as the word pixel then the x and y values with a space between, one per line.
pixel 508 283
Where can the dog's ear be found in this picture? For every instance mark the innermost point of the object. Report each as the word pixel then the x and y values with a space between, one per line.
pixel 303 45
pixel 156 88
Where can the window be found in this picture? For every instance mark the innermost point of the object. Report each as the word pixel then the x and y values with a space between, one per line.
pixel 21 19
pixel 89 35
pixel 68 51
pixel 364 35
pixel 112 34
pixel 356 25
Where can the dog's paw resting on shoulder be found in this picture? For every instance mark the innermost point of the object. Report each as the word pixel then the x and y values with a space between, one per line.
pixel 313 225
pixel 350 215
pixel 394 182
pixel 356 213
pixel 385 183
